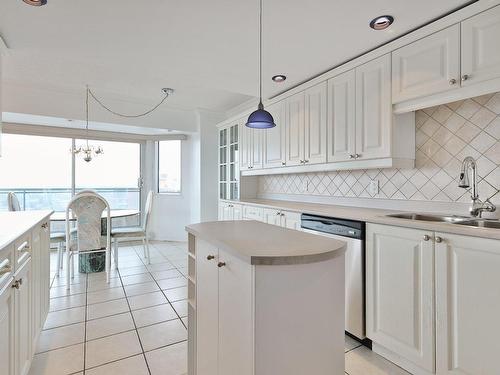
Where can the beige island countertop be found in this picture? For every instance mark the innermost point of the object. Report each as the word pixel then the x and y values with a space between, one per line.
pixel 266 244
pixel 14 224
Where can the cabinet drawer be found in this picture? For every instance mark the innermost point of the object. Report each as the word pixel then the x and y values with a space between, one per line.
pixel 6 265
pixel 253 213
pixel 22 249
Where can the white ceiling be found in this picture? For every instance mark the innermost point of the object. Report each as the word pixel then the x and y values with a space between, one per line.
pixel 205 50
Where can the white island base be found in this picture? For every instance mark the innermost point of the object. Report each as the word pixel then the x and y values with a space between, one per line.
pixel 264 300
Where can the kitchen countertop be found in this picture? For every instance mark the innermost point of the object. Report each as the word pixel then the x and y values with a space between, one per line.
pixel 15 224
pixel 265 244
pixel 371 215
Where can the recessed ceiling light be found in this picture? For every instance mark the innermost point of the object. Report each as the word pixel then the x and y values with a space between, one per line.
pixel 279 78
pixel 382 22
pixel 36 3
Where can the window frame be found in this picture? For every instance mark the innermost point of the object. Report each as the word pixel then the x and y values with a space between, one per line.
pixel 157 162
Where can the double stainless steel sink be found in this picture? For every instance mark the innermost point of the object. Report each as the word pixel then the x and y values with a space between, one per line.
pixel 453 219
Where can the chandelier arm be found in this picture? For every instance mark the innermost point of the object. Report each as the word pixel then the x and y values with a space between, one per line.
pixel 124 115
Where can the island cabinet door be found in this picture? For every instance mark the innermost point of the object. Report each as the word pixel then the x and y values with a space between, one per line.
pixel 235 316
pixel 206 308
pixel 399 292
pixel 7 330
pixel 467 305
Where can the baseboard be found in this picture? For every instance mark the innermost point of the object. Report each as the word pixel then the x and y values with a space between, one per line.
pixel 400 361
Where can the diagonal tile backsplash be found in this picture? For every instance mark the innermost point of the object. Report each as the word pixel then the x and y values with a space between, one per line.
pixel 445 135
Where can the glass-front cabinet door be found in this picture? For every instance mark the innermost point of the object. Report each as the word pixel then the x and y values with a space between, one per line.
pixel 229 173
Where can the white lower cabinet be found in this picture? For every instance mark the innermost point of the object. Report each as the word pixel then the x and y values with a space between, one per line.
pixel 224 301
pixel 230 211
pixel 282 218
pixel 433 300
pixel 467 304
pixel 24 298
pixel 399 292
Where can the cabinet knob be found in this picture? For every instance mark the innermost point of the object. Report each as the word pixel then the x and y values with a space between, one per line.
pixel 356 156
pixel 17 284
pixel 452 81
pixel 351 156
pixel 306 161
pixel 282 214
pixel 277 213
pixel 465 77
pixel 210 257
pixel 283 163
pixel 221 264
pixel 439 239
pixel 427 237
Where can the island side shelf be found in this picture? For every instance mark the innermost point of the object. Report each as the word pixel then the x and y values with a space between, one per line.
pixel 253 295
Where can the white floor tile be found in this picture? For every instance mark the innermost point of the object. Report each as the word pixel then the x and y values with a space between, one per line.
pixel 146 300
pixel 133 271
pixel 136 289
pixel 62 291
pixel 362 361
pixel 136 279
pixel 130 366
pixel 350 343
pixel 100 310
pixel 111 348
pixel 162 334
pixel 60 337
pixel 171 360
pixel 58 362
pixel 176 294
pixel 180 307
pixel 168 274
pixel 65 317
pixel 153 315
pixel 96 285
pixel 67 302
pixel 175 282
pixel 110 325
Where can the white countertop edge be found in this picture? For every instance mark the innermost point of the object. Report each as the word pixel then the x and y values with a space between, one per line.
pixel 33 218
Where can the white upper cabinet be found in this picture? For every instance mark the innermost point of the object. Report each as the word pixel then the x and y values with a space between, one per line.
pixel 274 138
pixel 315 124
pixel 342 117
pixel 374 109
pixel 294 130
pixel 467 304
pixel 427 66
pixel 250 147
pixel 480 47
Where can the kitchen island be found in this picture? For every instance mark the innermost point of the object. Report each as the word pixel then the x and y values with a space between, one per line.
pixel 264 300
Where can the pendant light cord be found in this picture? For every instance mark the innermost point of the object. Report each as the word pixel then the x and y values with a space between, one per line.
pixel 87 115
pixel 121 114
pixel 260 53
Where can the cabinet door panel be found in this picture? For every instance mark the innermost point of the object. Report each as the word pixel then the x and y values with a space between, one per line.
pixel 341 117
pixel 245 146
pixel 7 330
pixel 206 308
pixel 237 212
pixel 23 323
pixel 480 52
pixel 374 109
pixel 256 152
pixel 235 316
pixel 315 124
pixel 272 216
pixel 274 138
pixel 399 292
pixel 290 220
pixel 467 304
pixel 427 66
pixel 294 132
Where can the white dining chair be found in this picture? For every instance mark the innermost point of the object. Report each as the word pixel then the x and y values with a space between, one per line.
pixel 135 232
pixel 13 202
pixel 87 209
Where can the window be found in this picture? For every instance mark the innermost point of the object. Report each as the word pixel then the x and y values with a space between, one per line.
pixel 37 169
pixel 169 166
pixel 114 174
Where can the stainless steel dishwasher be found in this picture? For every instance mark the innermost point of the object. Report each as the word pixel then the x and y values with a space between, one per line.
pixel 352 232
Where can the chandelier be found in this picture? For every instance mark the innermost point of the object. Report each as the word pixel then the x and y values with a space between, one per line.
pixel 88 151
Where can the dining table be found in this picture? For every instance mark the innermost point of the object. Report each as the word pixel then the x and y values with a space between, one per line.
pixel 94 262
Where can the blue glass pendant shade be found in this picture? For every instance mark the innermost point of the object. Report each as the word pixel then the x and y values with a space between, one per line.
pixel 260 119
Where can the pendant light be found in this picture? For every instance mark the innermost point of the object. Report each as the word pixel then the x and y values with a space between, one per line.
pixel 260 119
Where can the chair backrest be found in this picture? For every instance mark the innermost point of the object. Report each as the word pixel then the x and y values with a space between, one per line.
pixel 147 210
pixel 87 209
pixel 13 202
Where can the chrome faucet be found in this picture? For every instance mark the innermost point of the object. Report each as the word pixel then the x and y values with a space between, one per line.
pixel 477 206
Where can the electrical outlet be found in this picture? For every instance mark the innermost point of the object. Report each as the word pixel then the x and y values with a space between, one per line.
pixel 373 187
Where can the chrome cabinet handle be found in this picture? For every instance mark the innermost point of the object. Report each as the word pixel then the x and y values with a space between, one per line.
pixel 351 156
pixel 427 237
pixel 221 264
pixel 17 284
pixel 306 161
pixel 439 239
pixel 5 267
pixel 25 246
pixel 283 163
pixel 277 213
pixel 356 156
pixel 452 81
pixel 210 257
pixel 282 214
pixel 465 77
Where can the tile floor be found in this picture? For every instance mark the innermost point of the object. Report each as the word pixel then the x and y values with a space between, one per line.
pixel 137 323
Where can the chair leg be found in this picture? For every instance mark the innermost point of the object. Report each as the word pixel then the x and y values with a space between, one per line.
pixel 115 243
pixel 108 264
pixel 59 256
pixel 61 260
pixel 147 249
pixel 68 276
pixel 72 267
